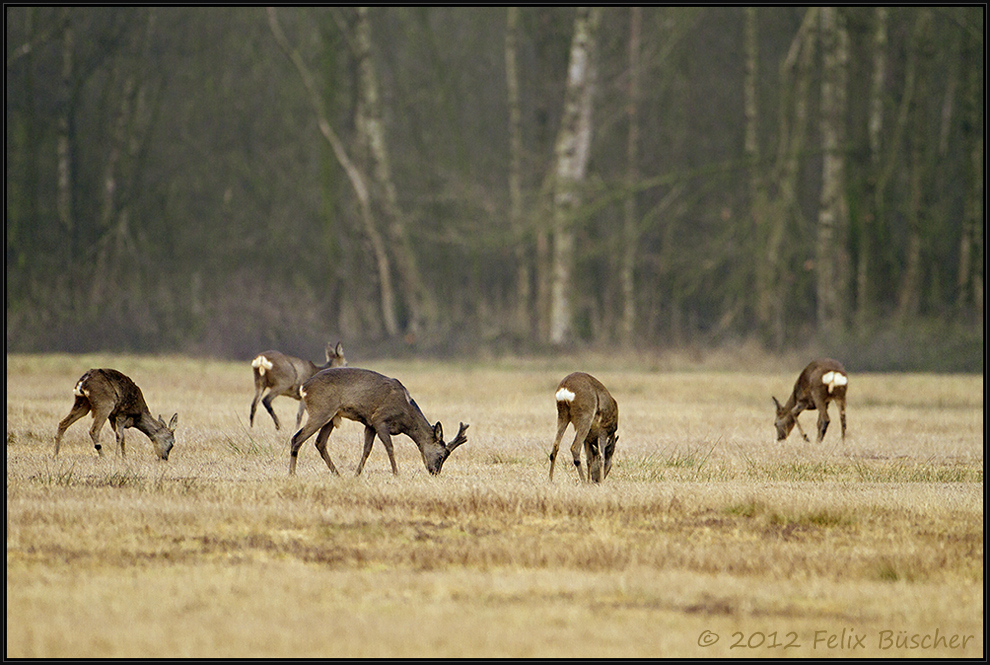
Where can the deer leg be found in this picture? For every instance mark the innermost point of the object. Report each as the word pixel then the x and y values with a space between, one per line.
pixel 259 388
pixel 298 439
pixel 592 453
pixel 798 408
pixel 100 416
pixel 582 428
pixel 821 403
pixel 823 421
pixel 118 425
pixel 299 415
pixel 386 438
pixel 562 422
pixel 79 409
pixel 321 445
pixel 842 415
pixel 369 441
pixel 608 450
pixel 267 402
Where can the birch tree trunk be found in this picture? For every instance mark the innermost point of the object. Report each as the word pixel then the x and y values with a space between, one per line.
pixel 516 215
pixel 372 127
pixel 873 195
pixel 783 207
pixel 766 257
pixel 833 219
pixel 909 293
pixel 570 161
pixel 630 236
pixel 354 175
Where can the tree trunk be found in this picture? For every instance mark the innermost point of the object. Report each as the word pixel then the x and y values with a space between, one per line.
pixel 570 161
pixel 782 208
pixel 833 218
pixel 516 218
pixel 873 194
pixel 766 257
pixel 909 293
pixel 372 127
pixel 354 175
pixel 969 281
pixel 630 236
pixel 63 144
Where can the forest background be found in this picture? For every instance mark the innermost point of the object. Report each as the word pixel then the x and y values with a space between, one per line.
pixel 483 181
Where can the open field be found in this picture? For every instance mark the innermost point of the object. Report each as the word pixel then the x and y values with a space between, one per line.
pixel 709 539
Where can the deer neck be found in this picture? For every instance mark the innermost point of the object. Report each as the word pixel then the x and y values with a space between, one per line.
pixel 148 424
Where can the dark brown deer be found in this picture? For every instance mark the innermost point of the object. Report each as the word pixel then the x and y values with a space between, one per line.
pixel 582 401
pixel 284 375
pixel 381 404
pixel 112 396
pixel 821 382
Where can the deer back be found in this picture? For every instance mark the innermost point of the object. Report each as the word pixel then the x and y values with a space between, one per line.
pixel 821 381
pixel 584 393
pixel 381 403
pixel 359 394
pixel 109 387
pixel 825 377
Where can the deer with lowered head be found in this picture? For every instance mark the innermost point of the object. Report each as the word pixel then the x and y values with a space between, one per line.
pixel 284 375
pixel 113 396
pixel 821 382
pixel 582 401
pixel 381 404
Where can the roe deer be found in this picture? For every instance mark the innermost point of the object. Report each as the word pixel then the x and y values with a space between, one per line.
pixel 284 375
pixel 821 381
pixel 112 396
pixel 381 404
pixel 583 401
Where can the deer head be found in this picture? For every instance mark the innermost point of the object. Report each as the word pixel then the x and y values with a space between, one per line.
pixel 437 453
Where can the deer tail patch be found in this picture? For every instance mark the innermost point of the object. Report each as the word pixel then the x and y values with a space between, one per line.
pixel 262 364
pixel 834 379
pixel 564 395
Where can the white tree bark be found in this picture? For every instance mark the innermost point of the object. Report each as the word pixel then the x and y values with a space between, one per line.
pixel 357 180
pixel 516 218
pixel 833 216
pixel 570 162
pixel 630 239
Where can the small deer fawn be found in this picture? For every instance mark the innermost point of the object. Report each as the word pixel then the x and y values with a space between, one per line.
pixel 821 382
pixel 381 404
pixel 284 375
pixel 112 396
pixel 583 401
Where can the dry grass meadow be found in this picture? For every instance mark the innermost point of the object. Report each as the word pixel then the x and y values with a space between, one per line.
pixel 709 539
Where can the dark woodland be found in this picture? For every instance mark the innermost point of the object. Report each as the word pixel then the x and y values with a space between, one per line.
pixel 475 182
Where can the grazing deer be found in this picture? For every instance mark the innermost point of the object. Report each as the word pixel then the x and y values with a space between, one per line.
pixel 112 396
pixel 583 401
pixel 284 375
pixel 821 382
pixel 381 404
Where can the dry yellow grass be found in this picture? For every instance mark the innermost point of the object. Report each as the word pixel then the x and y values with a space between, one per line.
pixel 706 526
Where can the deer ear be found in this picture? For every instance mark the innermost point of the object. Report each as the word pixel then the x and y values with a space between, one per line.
pixel 775 402
pixel 171 423
pixel 438 432
pixel 339 350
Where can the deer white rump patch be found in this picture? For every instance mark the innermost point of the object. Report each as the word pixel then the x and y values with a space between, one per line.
pixel 833 379
pixel 262 364
pixel 564 395
pixel 79 391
